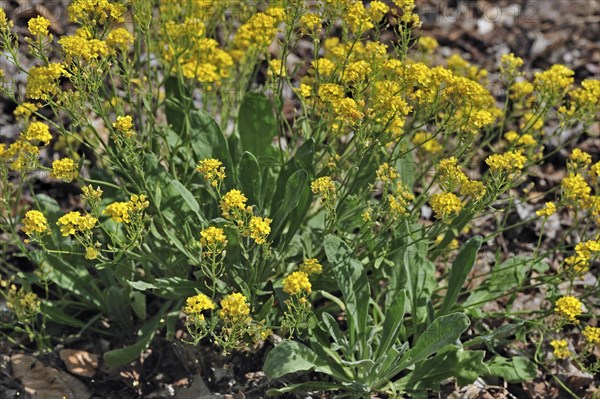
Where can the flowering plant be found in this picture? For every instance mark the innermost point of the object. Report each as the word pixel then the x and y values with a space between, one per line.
pixel 346 226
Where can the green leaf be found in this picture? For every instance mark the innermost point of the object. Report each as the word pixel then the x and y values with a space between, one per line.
pixel 513 370
pixel 444 330
pixel 56 315
pixel 461 267
pixel 188 197
pixel 291 357
pixel 141 285
pixel 353 283
pixel 138 304
pixel 392 325
pixel 250 178
pixel 297 183
pixel 257 124
pixel 465 366
pixel 305 386
pixel 117 306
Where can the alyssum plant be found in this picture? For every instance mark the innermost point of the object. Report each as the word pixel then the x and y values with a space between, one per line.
pixel 203 201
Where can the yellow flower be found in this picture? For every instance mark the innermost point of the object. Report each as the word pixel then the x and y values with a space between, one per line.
pixel 35 222
pixel 575 188
pixel 387 174
pixel 25 110
pixel 118 211
pixel 37 131
pixel 90 194
pixel 428 44
pixel 569 307
pixel 399 200
pixel 445 205
pixel 473 188
pixel 592 334
pixel 310 23
pixel 78 47
pixel 427 142
pixel 213 236
pixel 64 169
pixel 377 10
pixel 91 253
pixel 124 125
pixel 311 266
pixel 561 348
pixel 276 68
pixel 195 305
pixel 580 158
pixel 297 282
pixel 329 92
pixel 212 170
pixel 549 209
pixel 43 81
pixel 95 12
pixel 138 203
pixel 38 26
pixel 325 187
pixel 450 173
pixel 304 90
pixel 74 222
pixel 259 229
pixel 119 39
pixel 510 162
pixel 233 203
pixel 234 308
pixel 3 21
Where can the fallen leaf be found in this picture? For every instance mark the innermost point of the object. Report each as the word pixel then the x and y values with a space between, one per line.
pixel 80 362
pixel 43 382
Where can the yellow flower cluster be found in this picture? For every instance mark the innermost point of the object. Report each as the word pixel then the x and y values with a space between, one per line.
pixel 427 142
pixel 554 81
pixel 212 170
pixel 310 23
pixel 510 64
pixel 324 187
pixel 386 173
pixel 311 266
pixel 64 169
pixel 118 211
pixel 124 125
pixel 428 44
pixel 445 205
pixel 138 203
pixel 21 155
pixel 450 173
pixel 24 304
pixel 73 223
pixel 93 12
pixel 259 228
pixel 257 33
pixel 213 236
pixel 296 283
pixel 509 162
pixel 195 305
pixel 580 262
pixel 43 81
pixel 400 200
pixel 561 349
pixel 592 334
pixel 524 140
pixel 35 222
pixel 473 188
pixel 357 18
pixel 119 39
pixel 569 307
pixel 198 57
pixel 77 48
pixel 575 188
pixel 37 131
pixel 25 110
pixel 233 204
pixel 276 68
pixel 234 308
pixel 38 26
pixel 548 210
pixel 579 159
